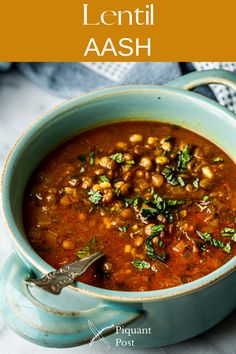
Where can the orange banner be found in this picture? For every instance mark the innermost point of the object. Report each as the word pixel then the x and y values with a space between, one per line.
pixel 117 30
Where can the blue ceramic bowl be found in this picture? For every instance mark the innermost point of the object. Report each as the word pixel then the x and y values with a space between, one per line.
pixel 149 319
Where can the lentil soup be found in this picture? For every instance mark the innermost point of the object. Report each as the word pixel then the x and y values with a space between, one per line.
pixel 157 199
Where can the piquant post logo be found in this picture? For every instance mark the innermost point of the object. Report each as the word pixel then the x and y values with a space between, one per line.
pixel 129 332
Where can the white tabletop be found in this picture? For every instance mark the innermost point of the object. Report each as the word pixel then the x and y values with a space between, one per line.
pixel 21 102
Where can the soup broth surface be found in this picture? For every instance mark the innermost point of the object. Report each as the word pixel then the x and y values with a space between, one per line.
pixel 157 199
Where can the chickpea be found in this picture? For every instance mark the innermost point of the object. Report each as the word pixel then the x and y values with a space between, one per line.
pixel 142 184
pixel 136 138
pixel 138 241
pixel 207 172
pixel 121 146
pixel 125 188
pixel 87 182
pixel 99 171
pixel 128 157
pixel 146 163
pixel 127 175
pixel 166 146
pixel 108 196
pixel 104 161
pixel 112 165
pixel 148 229
pixel 126 214
pixel 189 188
pixel 105 185
pixel 205 183
pixel 157 180
pixel 155 241
pixel 140 173
pixel 161 160
pixel 153 141
pixel 68 245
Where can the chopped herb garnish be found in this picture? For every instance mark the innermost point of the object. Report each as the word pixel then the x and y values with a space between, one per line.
pixel 130 162
pixel 206 198
pixel 149 213
pixel 91 158
pixel 135 202
pixel 181 181
pixel 170 175
pixel 123 228
pixel 227 248
pixel 207 237
pixel 157 228
pixel 168 138
pixel 117 192
pixel 217 159
pixel 95 196
pixel 86 250
pixel 118 157
pixel 81 157
pixel 196 183
pixel 104 178
pixel 149 246
pixel 184 158
pixel 82 170
pixel 229 232
pixel 140 264
pixel 175 202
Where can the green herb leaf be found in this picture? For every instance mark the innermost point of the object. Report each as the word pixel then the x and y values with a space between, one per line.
pixel 149 213
pixel 217 159
pixel 170 175
pixel 91 158
pixel 206 198
pixel 82 170
pixel 151 252
pixel 175 202
pixel 123 228
pixel 118 157
pixel 86 250
pixel 184 158
pixel 229 232
pixel 196 183
pixel 81 157
pixel 181 181
pixel 140 264
pixel 95 196
pixel 207 237
pixel 104 178
pixel 117 192
pixel 168 138
pixel 130 162
pixel 157 229
pixel 227 248
pixel 135 202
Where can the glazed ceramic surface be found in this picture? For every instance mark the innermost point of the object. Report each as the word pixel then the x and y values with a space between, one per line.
pixel 148 319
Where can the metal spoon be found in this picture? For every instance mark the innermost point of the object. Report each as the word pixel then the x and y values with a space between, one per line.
pixel 55 281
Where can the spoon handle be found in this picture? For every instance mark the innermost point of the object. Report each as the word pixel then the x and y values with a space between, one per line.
pixel 55 281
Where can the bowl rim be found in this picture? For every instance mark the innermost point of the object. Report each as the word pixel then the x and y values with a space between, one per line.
pixel 113 295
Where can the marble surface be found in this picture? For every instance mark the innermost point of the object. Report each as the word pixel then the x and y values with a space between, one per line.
pixel 21 102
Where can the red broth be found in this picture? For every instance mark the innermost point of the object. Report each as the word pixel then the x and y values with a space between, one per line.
pixel 157 199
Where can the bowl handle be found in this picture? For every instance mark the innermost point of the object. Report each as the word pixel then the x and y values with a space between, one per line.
pixel 48 326
pixel 199 78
